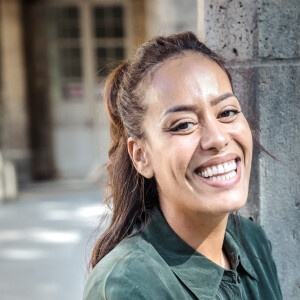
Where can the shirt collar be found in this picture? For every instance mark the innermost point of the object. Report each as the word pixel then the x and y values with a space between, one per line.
pixel 184 260
pixel 236 249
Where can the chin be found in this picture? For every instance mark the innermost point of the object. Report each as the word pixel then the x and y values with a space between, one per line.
pixel 229 204
pixel 234 204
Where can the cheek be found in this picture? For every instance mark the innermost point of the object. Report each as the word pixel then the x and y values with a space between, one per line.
pixel 242 134
pixel 173 156
pixel 247 138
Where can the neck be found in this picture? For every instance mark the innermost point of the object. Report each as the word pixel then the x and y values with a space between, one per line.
pixel 204 233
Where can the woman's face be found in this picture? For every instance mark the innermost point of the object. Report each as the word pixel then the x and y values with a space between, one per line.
pixel 198 143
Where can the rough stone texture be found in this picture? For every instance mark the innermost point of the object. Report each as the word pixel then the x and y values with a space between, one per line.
pixel 278 23
pixel 279 107
pixel 170 16
pixel 231 28
pixel 265 67
pixel 244 87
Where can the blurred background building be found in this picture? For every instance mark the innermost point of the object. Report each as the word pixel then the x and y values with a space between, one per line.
pixel 55 54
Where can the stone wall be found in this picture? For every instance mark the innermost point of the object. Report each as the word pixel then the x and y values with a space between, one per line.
pixel 260 41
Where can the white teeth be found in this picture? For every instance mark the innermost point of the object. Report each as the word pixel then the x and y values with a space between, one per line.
pixel 226 167
pixel 220 177
pixel 210 172
pixel 220 169
pixel 224 177
pixel 232 174
pixel 234 165
pixel 215 170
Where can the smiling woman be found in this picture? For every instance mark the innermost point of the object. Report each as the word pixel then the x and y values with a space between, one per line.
pixel 194 124
pixel 179 165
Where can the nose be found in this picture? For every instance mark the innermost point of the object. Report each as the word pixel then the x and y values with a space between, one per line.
pixel 214 135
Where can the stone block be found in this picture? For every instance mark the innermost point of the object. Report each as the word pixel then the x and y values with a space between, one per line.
pixel 244 80
pixel 244 87
pixel 279 105
pixel 279 28
pixel 231 28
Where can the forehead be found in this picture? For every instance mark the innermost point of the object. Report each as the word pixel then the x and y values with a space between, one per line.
pixel 185 78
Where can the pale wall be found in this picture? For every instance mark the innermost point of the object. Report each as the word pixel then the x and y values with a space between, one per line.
pixel 14 116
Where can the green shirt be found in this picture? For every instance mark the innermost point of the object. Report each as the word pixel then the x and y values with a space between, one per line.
pixel 157 264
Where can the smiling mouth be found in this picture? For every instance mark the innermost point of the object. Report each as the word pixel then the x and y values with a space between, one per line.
pixel 224 171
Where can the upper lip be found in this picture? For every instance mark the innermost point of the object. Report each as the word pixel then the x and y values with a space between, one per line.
pixel 218 160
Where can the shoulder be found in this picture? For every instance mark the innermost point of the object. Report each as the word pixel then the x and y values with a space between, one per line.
pixel 129 271
pixel 251 233
pixel 249 226
pixel 255 251
pixel 246 225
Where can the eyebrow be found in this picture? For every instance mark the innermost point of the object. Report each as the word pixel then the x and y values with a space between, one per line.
pixel 193 108
pixel 221 98
pixel 180 108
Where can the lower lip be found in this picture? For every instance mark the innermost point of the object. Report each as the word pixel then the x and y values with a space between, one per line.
pixel 227 182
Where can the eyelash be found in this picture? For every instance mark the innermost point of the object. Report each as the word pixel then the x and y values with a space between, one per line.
pixel 234 111
pixel 178 126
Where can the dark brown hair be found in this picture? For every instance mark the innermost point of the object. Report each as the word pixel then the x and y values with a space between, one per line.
pixel 134 196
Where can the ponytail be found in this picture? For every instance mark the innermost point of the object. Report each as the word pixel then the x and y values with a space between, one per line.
pixel 125 186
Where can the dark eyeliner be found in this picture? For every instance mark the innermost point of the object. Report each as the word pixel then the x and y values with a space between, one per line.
pixel 178 129
pixel 235 111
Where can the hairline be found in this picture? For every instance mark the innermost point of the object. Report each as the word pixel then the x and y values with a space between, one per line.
pixel 148 78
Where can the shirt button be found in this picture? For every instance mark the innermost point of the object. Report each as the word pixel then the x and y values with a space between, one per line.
pixel 239 279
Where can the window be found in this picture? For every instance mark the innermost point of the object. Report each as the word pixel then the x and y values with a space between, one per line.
pixel 109 37
pixel 86 40
pixel 66 54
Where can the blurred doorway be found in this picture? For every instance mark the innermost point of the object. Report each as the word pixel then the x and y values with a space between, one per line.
pixel 84 38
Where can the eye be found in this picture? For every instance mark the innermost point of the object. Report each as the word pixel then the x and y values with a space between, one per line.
pixel 229 114
pixel 183 127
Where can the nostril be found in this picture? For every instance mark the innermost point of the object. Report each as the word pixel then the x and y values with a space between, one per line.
pixel 214 136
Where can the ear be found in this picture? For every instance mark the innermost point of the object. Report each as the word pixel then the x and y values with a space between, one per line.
pixel 140 157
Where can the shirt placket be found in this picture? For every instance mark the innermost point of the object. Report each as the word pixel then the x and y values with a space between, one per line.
pixel 231 282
